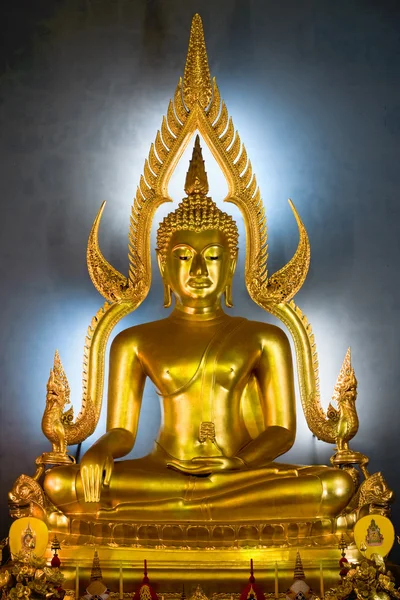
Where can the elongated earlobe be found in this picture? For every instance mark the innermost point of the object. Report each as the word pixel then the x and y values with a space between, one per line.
pixel 228 289
pixel 167 295
pixel 228 295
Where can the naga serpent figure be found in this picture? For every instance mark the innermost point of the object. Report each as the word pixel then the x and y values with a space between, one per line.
pixel 205 365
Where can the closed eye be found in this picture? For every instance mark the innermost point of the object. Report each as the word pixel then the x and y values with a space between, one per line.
pixel 213 258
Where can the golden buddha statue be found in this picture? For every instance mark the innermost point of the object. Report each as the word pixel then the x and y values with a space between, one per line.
pixel 225 385
pixel 204 465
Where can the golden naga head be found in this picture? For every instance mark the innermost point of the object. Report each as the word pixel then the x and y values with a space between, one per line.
pixel 58 390
pixel 345 389
pixel 197 244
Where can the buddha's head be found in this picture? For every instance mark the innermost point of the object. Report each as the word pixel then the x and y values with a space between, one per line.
pixel 197 245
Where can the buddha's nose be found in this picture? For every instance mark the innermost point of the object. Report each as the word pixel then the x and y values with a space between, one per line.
pixel 198 267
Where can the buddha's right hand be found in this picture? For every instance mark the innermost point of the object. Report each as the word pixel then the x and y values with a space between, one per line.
pixel 96 470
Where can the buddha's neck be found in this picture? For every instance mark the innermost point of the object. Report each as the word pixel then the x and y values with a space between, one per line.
pixel 189 313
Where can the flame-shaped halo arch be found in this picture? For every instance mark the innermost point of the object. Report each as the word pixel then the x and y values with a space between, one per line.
pixel 197 107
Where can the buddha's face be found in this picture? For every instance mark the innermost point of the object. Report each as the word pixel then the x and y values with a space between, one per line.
pixel 198 267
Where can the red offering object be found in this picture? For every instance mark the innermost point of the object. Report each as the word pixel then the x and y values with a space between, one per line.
pixel 145 590
pixel 55 561
pixel 252 590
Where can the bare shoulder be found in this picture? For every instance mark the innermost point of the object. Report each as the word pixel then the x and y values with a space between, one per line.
pixel 268 335
pixel 136 335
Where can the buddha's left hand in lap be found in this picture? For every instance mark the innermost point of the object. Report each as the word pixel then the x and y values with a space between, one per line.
pixel 205 465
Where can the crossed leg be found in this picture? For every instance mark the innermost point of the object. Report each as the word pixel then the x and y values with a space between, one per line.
pixel 145 489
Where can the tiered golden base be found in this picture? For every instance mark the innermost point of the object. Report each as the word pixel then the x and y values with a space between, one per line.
pixel 215 556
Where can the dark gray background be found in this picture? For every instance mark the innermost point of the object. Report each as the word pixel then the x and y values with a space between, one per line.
pixel 313 87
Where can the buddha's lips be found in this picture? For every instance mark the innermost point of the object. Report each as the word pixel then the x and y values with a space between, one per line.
pixel 199 283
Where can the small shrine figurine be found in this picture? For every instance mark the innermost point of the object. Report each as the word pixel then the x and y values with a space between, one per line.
pixel 374 536
pixel 299 590
pixel 28 540
pixel 96 590
pixel 55 547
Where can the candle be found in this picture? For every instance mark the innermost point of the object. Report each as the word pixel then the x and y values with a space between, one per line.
pixel 77 582
pixel 321 581
pixel 276 581
pixel 121 584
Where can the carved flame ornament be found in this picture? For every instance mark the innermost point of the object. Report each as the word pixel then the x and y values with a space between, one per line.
pixel 197 107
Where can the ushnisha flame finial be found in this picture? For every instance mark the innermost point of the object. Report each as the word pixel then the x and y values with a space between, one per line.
pixel 196 177
pixel 197 211
pixel 197 80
